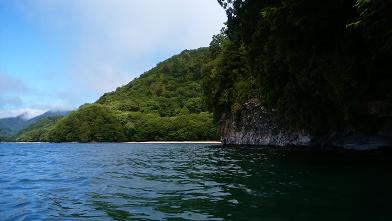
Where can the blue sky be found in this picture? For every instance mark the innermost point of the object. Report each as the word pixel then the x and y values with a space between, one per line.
pixel 59 54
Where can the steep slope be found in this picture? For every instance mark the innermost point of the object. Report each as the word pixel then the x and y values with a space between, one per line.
pixel 172 87
pixel 165 103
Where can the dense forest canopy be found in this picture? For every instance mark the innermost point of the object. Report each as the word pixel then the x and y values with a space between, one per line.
pixel 2 136
pixel 171 88
pixel 165 103
pixel 90 123
pixel 320 64
pixel 39 131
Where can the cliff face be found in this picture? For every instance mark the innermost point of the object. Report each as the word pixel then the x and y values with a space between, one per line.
pixel 255 125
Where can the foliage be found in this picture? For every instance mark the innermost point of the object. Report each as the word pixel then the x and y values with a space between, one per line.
pixel 225 83
pixel 90 123
pixel 39 131
pixel 11 128
pixel 152 126
pixel 165 103
pixel 2 136
pixel 319 63
pixel 169 88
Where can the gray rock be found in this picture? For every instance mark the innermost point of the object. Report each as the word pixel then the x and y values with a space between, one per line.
pixel 255 125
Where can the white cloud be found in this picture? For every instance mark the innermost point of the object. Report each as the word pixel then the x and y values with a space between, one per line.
pixel 112 41
pixel 16 98
pixel 28 113
pixel 105 44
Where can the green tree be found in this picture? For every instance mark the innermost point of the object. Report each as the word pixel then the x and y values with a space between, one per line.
pixel 321 64
pixel 165 103
pixel 38 131
pixel 90 123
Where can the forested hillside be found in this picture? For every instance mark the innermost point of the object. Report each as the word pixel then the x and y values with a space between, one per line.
pixel 165 103
pixel 38 131
pixel 23 129
pixel 2 136
pixel 320 64
pixel 91 122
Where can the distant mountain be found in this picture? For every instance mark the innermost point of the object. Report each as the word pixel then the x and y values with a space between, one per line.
pixel 13 125
pixel 49 114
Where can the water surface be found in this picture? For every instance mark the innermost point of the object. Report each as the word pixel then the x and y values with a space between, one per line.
pixel 191 182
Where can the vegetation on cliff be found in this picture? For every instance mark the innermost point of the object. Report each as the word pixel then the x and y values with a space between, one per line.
pixel 320 64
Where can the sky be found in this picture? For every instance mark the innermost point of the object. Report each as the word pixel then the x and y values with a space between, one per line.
pixel 60 54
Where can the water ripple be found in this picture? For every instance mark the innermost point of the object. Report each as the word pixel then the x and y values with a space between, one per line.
pixel 191 182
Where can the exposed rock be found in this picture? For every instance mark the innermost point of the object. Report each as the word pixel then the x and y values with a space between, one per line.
pixel 255 125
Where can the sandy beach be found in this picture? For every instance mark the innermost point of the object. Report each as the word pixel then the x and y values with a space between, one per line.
pixel 176 142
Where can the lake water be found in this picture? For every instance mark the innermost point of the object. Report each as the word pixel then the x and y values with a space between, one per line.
pixel 191 182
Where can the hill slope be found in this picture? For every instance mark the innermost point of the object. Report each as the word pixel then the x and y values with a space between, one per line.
pixel 12 125
pixel 172 87
pixel 39 130
pixel 165 103
pixel 90 123
pixel 9 127
pixel 3 136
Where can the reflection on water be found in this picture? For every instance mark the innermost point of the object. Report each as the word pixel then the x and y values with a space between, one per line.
pixel 194 182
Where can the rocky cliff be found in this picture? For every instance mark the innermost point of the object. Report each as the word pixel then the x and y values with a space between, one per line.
pixel 256 125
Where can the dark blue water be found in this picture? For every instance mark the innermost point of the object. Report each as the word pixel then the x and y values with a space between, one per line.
pixel 190 182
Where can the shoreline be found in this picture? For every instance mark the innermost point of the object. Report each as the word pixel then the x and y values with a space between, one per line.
pixel 131 142
pixel 176 142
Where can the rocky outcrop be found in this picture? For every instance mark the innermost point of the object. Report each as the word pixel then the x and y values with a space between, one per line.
pixel 256 125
